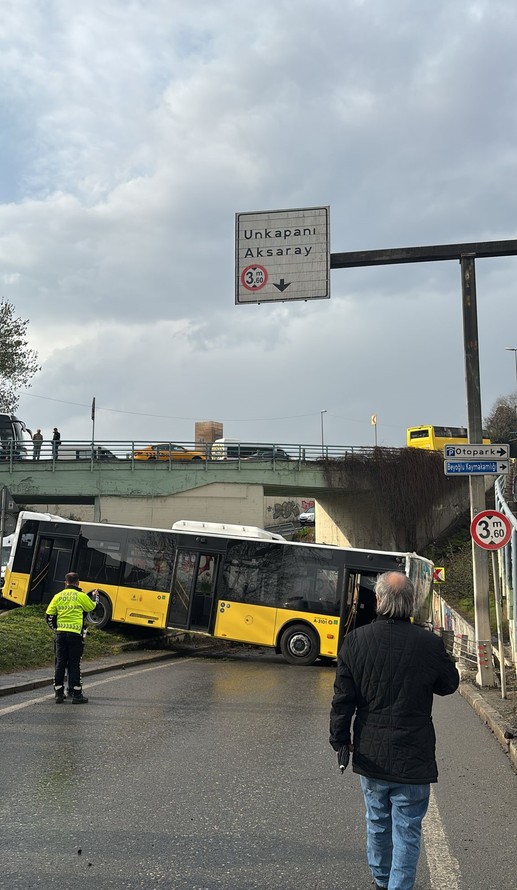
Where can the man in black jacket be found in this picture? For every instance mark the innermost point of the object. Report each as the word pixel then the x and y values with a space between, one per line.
pixel 387 674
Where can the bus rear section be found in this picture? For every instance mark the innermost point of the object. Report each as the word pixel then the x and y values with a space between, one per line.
pixel 434 438
pixel 298 599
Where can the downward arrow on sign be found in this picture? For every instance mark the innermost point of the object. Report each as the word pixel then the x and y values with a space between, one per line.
pixel 282 285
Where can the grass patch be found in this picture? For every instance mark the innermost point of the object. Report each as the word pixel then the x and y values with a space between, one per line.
pixel 26 641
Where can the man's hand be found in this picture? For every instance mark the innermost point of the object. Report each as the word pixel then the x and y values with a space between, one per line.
pixel 51 621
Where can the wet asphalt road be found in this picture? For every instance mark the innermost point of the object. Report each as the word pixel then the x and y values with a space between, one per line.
pixel 205 773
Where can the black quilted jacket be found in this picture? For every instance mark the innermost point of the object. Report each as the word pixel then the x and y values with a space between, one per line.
pixel 387 673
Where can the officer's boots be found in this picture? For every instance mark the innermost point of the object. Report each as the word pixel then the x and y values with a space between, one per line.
pixel 77 696
pixel 59 693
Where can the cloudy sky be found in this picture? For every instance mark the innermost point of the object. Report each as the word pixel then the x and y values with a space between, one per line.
pixel 132 133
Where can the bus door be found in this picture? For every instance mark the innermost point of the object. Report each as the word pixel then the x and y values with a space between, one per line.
pixel 52 561
pixel 364 599
pixel 193 590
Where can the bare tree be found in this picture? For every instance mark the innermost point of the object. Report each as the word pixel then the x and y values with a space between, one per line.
pixel 18 363
pixel 501 423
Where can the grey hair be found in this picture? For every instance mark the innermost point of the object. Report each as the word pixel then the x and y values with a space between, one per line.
pixel 395 595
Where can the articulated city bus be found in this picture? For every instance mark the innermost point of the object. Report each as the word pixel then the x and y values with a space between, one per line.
pixel 235 583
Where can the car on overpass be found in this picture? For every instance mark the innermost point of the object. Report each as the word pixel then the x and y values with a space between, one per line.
pixel 95 454
pixel 167 451
pixel 269 453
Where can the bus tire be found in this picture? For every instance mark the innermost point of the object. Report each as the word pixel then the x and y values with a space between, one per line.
pixel 299 644
pixel 101 615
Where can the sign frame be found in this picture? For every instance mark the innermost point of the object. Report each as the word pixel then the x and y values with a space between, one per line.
pixel 484 517
pixel 476 452
pixel 282 255
pixel 476 467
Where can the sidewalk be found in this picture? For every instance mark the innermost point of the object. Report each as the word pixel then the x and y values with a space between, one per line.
pixel 487 703
pixel 35 678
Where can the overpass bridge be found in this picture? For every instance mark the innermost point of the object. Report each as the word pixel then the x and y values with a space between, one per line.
pixel 372 497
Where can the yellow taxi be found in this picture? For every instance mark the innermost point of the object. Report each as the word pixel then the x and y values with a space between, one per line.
pixel 168 451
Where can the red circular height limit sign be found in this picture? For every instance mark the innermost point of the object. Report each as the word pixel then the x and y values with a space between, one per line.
pixel 491 529
pixel 254 277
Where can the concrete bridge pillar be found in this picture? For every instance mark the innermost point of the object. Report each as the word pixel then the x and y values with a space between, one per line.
pixel 353 520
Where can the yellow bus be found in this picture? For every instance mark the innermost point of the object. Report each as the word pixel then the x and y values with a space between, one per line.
pixel 434 438
pixel 236 583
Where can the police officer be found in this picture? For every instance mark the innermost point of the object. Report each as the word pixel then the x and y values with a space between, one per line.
pixel 65 615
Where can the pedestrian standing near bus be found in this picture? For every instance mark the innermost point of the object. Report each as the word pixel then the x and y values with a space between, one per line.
pixel 56 442
pixel 387 674
pixel 37 440
pixel 65 614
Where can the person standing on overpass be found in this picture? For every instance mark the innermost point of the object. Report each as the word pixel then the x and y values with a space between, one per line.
pixel 387 674
pixel 56 442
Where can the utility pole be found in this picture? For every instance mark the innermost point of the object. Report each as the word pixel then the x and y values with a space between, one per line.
pixel 322 433
pixel 485 675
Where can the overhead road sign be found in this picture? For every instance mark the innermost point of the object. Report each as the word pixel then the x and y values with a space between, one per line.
pixel 495 452
pixel 491 529
pixel 476 467
pixel 282 255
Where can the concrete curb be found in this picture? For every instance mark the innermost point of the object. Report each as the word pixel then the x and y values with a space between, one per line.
pixel 133 654
pixel 501 730
pixel 16 683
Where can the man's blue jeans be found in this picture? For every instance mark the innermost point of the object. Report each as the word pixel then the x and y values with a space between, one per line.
pixel 394 816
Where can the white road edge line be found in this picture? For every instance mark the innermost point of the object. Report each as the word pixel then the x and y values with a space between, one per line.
pixel 444 868
pixel 118 674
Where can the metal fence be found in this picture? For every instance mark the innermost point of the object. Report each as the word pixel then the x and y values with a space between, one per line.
pixel 458 634
pixel 507 556
pixel 140 453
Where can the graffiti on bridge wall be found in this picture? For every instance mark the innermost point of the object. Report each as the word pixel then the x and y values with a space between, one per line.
pixel 283 511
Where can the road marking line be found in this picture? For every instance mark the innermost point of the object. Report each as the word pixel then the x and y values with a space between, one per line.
pixel 444 868
pixel 118 675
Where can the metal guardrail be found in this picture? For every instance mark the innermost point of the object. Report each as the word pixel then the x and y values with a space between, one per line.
pixel 507 556
pixel 109 452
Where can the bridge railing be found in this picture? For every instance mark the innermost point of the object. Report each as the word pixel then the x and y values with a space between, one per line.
pixel 110 453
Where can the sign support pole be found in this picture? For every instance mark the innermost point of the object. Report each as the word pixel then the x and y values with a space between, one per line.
pixel 485 675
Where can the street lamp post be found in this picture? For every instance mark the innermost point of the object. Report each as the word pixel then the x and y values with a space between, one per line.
pixel 514 350
pixel 322 433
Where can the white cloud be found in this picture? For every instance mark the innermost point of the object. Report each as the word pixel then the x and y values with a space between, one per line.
pixel 135 132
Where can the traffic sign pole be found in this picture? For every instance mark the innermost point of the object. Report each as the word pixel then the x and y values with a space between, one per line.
pixel 485 674
pixel 492 530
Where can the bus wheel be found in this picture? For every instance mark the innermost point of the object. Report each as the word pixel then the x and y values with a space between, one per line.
pixel 299 644
pixel 101 615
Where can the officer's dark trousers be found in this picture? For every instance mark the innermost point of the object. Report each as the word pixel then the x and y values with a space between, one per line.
pixel 69 648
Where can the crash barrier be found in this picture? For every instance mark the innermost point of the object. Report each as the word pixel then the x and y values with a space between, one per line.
pixel 459 636
pixel 507 556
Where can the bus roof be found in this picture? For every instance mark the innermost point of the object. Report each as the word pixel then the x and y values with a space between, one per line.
pixel 226 530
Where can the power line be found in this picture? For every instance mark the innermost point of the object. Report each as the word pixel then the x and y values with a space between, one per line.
pixel 168 416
